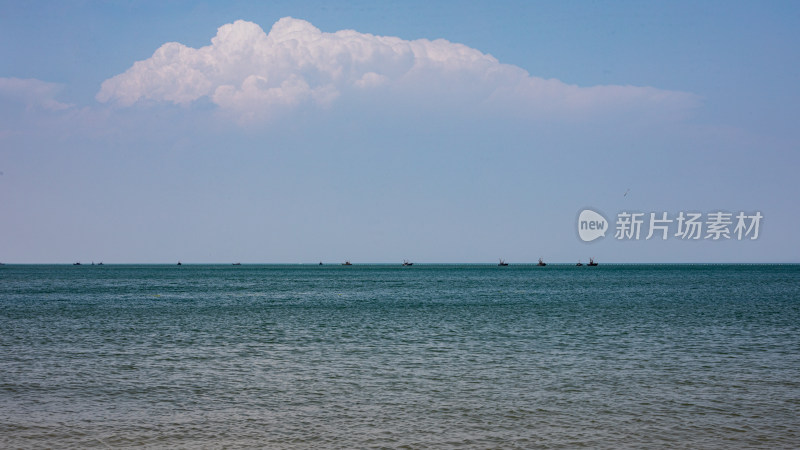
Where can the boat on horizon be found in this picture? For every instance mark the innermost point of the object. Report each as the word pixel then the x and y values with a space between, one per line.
pixel 502 263
pixel 579 263
pixel 591 262
pixel 237 264
pixel 541 263
pixel 179 263
pixel 407 263
pixel 347 263
pixel 76 264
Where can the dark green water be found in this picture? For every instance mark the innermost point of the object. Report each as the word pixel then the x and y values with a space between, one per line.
pixel 429 356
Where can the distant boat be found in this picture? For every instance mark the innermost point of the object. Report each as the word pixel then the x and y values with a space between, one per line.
pixel 237 264
pixel 100 263
pixel 541 263
pixel 407 263
pixel 591 262
pixel 346 263
pixel 320 263
pixel 76 264
pixel 179 263
pixel 502 263
pixel 579 263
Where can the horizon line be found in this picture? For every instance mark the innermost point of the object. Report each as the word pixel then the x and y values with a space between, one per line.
pixel 483 263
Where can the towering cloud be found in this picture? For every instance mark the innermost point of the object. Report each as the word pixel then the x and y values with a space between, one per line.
pixel 252 74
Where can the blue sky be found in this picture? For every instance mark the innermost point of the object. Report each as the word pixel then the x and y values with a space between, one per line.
pixel 430 131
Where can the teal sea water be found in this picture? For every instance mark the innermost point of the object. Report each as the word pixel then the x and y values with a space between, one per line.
pixel 429 356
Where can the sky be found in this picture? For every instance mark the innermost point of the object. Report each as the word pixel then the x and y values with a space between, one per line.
pixel 438 132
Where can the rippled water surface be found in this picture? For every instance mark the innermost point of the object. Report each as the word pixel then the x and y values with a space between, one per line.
pixel 436 356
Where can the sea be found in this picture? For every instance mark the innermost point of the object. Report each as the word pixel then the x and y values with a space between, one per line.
pixel 385 356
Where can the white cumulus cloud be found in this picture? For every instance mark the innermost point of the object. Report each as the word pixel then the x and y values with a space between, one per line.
pixel 253 74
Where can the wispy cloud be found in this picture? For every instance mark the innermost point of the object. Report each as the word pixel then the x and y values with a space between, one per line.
pixel 254 75
pixel 32 93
